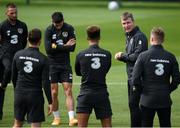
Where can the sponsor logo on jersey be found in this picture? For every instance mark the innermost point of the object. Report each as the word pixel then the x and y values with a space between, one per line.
pixel 20 30
pixel 65 34
pixel 59 42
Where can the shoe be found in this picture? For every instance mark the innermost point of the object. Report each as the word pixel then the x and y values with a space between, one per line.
pixel 73 122
pixel 56 121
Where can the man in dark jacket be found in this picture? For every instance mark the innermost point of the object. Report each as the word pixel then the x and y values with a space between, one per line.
pixel 13 37
pixel 158 71
pixel 136 42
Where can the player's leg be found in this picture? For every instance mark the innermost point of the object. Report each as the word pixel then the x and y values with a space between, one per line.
pixel 2 93
pixel 69 103
pixel 17 123
pixel 83 119
pixel 147 116
pixel 164 115
pixel 7 63
pixel 106 122
pixel 35 125
pixel 55 103
pixel 102 107
pixel 135 112
pixel 35 109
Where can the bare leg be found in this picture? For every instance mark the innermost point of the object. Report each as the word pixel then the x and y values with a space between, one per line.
pixel 36 125
pixel 82 119
pixel 17 123
pixel 54 91
pixel 69 96
pixel 106 122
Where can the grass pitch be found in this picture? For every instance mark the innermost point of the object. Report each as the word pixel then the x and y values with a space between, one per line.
pixel 147 15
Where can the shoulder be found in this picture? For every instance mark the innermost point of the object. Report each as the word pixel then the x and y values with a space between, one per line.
pixel 20 52
pixel 21 23
pixel 4 23
pixel 68 26
pixel 169 54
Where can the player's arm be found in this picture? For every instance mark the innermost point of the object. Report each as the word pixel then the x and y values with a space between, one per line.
pixel 77 66
pixel 46 82
pixel 14 71
pixel 175 75
pixel 68 46
pixel 25 34
pixel 109 65
pixel 137 72
pixel 141 45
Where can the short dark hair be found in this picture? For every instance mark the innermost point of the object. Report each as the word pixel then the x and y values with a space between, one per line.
pixel 93 32
pixel 127 15
pixel 57 17
pixel 159 34
pixel 34 36
pixel 11 5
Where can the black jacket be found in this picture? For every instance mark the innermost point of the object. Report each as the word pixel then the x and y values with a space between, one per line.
pixel 136 42
pixel 93 64
pixel 158 71
pixel 30 72
pixel 13 37
pixel 60 55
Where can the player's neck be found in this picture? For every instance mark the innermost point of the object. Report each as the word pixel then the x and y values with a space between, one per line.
pixel 93 42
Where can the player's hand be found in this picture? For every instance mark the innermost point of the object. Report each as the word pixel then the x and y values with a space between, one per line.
pixel 71 42
pixel 118 55
pixel 50 109
pixel 54 46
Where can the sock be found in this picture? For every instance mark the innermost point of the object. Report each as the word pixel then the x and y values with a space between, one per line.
pixel 71 115
pixel 56 114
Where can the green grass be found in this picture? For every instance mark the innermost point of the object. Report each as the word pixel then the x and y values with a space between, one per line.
pixel 146 15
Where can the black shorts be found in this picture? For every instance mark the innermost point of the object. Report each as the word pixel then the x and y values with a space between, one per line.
pixel 98 101
pixel 29 104
pixel 60 74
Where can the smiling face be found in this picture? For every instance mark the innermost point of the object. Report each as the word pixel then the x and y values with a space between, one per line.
pixel 12 13
pixel 127 24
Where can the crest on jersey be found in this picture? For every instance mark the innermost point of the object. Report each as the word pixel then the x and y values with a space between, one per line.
pixel 20 30
pixel 8 32
pixel 65 34
pixel 131 41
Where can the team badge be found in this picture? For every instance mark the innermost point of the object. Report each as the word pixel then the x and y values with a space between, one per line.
pixel 8 32
pixel 20 30
pixel 65 34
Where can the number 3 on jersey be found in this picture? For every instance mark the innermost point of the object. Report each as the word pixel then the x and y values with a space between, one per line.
pixel 28 66
pixel 160 69
pixel 96 63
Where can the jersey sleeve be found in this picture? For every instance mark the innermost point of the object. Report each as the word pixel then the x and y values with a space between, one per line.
pixel 141 44
pixel 175 75
pixel 77 65
pixel 59 48
pixel 46 82
pixel 25 35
